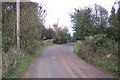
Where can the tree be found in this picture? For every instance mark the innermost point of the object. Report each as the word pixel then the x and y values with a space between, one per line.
pixel 82 22
pixel 48 33
pixel 114 21
pixel 89 21
pixel 8 24
pixel 118 23
pixel 112 18
pixel 74 37
pixel 31 24
pixel 61 36
pixel 100 19
pixel 31 30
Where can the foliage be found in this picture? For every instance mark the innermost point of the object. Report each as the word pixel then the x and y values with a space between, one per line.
pixel 48 33
pixel 74 38
pixel 8 25
pixel 99 50
pixel 99 34
pixel 100 40
pixel 82 22
pixel 31 30
pixel 36 49
pixel 61 36
pixel 104 45
pixel 21 66
pixel 113 31
pixel 107 65
pixel 31 27
pixel 89 21
pixel 84 51
pixel 76 48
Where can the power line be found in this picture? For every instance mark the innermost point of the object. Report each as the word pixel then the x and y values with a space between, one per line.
pixel 48 9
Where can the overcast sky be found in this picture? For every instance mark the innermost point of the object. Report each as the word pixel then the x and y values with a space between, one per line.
pixel 62 8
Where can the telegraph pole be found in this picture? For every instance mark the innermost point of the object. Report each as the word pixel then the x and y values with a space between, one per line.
pixel 18 24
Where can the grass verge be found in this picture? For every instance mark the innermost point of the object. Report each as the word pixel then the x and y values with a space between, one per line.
pixel 20 68
pixel 76 48
pixel 89 55
pixel 39 48
pixel 107 65
pixel 22 65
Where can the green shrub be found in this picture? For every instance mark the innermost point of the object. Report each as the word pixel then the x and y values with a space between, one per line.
pixel 81 50
pixel 96 50
pixel 76 48
pixel 104 45
pixel 37 48
pixel 20 68
pixel 100 40
pixel 107 65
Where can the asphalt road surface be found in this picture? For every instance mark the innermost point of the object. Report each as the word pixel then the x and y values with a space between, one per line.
pixel 59 61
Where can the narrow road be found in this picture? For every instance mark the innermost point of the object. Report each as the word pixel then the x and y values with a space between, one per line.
pixel 59 61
